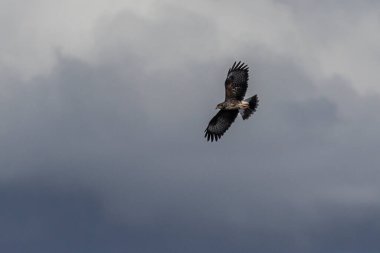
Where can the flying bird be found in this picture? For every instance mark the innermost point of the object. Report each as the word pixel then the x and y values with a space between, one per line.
pixel 236 85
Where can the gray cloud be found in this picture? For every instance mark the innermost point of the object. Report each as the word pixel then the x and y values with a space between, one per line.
pixel 110 156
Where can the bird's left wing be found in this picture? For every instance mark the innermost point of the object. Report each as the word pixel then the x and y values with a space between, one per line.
pixel 236 83
pixel 220 123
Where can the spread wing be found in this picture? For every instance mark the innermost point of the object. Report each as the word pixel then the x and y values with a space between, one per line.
pixel 237 81
pixel 220 123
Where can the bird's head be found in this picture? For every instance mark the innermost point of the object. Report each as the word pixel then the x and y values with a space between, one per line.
pixel 220 106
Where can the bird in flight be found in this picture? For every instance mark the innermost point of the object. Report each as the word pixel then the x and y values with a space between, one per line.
pixel 234 103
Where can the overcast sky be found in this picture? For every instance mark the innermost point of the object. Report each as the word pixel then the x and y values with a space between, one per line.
pixel 103 105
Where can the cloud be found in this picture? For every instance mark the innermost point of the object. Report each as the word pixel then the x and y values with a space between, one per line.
pixel 107 153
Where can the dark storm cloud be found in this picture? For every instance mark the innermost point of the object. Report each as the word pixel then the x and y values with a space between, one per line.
pixel 111 157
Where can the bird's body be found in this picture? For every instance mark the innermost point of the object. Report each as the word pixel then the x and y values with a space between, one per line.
pixel 236 85
pixel 233 104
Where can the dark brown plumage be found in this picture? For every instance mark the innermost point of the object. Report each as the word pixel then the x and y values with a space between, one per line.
pixel 236 85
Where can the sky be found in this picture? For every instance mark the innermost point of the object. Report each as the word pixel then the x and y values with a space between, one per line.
pixel 104 105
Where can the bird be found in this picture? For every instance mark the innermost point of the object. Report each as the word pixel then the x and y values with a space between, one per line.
pixel 235 85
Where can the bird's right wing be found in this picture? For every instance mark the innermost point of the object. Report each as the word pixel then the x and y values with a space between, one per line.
pixel 220 123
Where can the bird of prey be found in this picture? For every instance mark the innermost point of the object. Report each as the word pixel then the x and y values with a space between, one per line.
pixel 235 86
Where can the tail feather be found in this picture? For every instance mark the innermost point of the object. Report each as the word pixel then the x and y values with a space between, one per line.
pixel 253 103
